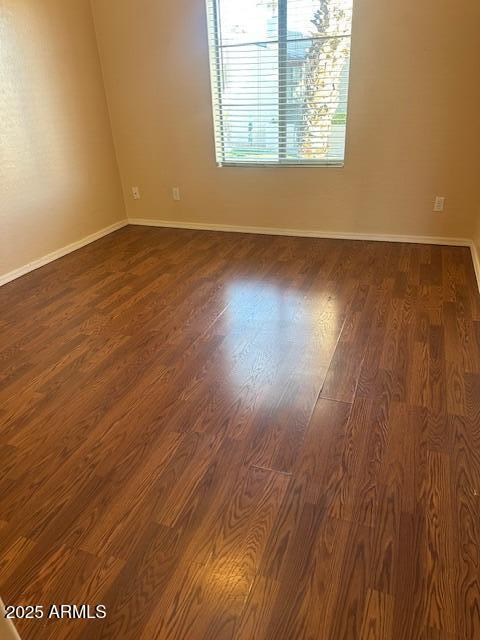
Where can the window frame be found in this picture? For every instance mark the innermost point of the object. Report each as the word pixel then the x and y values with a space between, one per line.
pixel 213 13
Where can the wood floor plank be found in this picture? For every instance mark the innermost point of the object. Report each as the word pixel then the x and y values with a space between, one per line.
pixel 318 459
pixel 378 618
pixel 465 466
pixel 288 619
pixel 355 576
pixel 440 557
pixel 227 558
pixel 254 620
pixel 410 582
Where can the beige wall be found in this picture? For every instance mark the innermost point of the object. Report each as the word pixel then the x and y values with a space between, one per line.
pixel 58 175
pixel 477 240
pixel 413 128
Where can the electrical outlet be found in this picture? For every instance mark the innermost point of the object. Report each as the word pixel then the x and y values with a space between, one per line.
pixel 176 193
pixel 136 193
pixel 439 204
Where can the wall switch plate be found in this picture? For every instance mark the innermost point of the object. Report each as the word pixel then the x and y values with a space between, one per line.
pixel 136 193
pixel 176 193
pixel 439 204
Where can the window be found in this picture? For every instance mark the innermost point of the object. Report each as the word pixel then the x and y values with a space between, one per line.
pixel 280 72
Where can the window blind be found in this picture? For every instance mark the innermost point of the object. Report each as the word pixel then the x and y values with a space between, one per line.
pixel 280 72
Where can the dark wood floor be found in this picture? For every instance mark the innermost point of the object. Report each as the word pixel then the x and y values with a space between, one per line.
pixel 234 436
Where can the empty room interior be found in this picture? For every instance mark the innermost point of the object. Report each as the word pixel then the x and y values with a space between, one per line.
pixel 239 320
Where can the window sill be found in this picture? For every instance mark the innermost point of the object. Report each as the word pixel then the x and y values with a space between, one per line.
pixel 282 165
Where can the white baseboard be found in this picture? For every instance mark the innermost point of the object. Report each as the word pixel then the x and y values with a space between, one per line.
pixel 273 231
pixel 7 630
pixel 303 233
pixel 36 264
pixel 476 262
